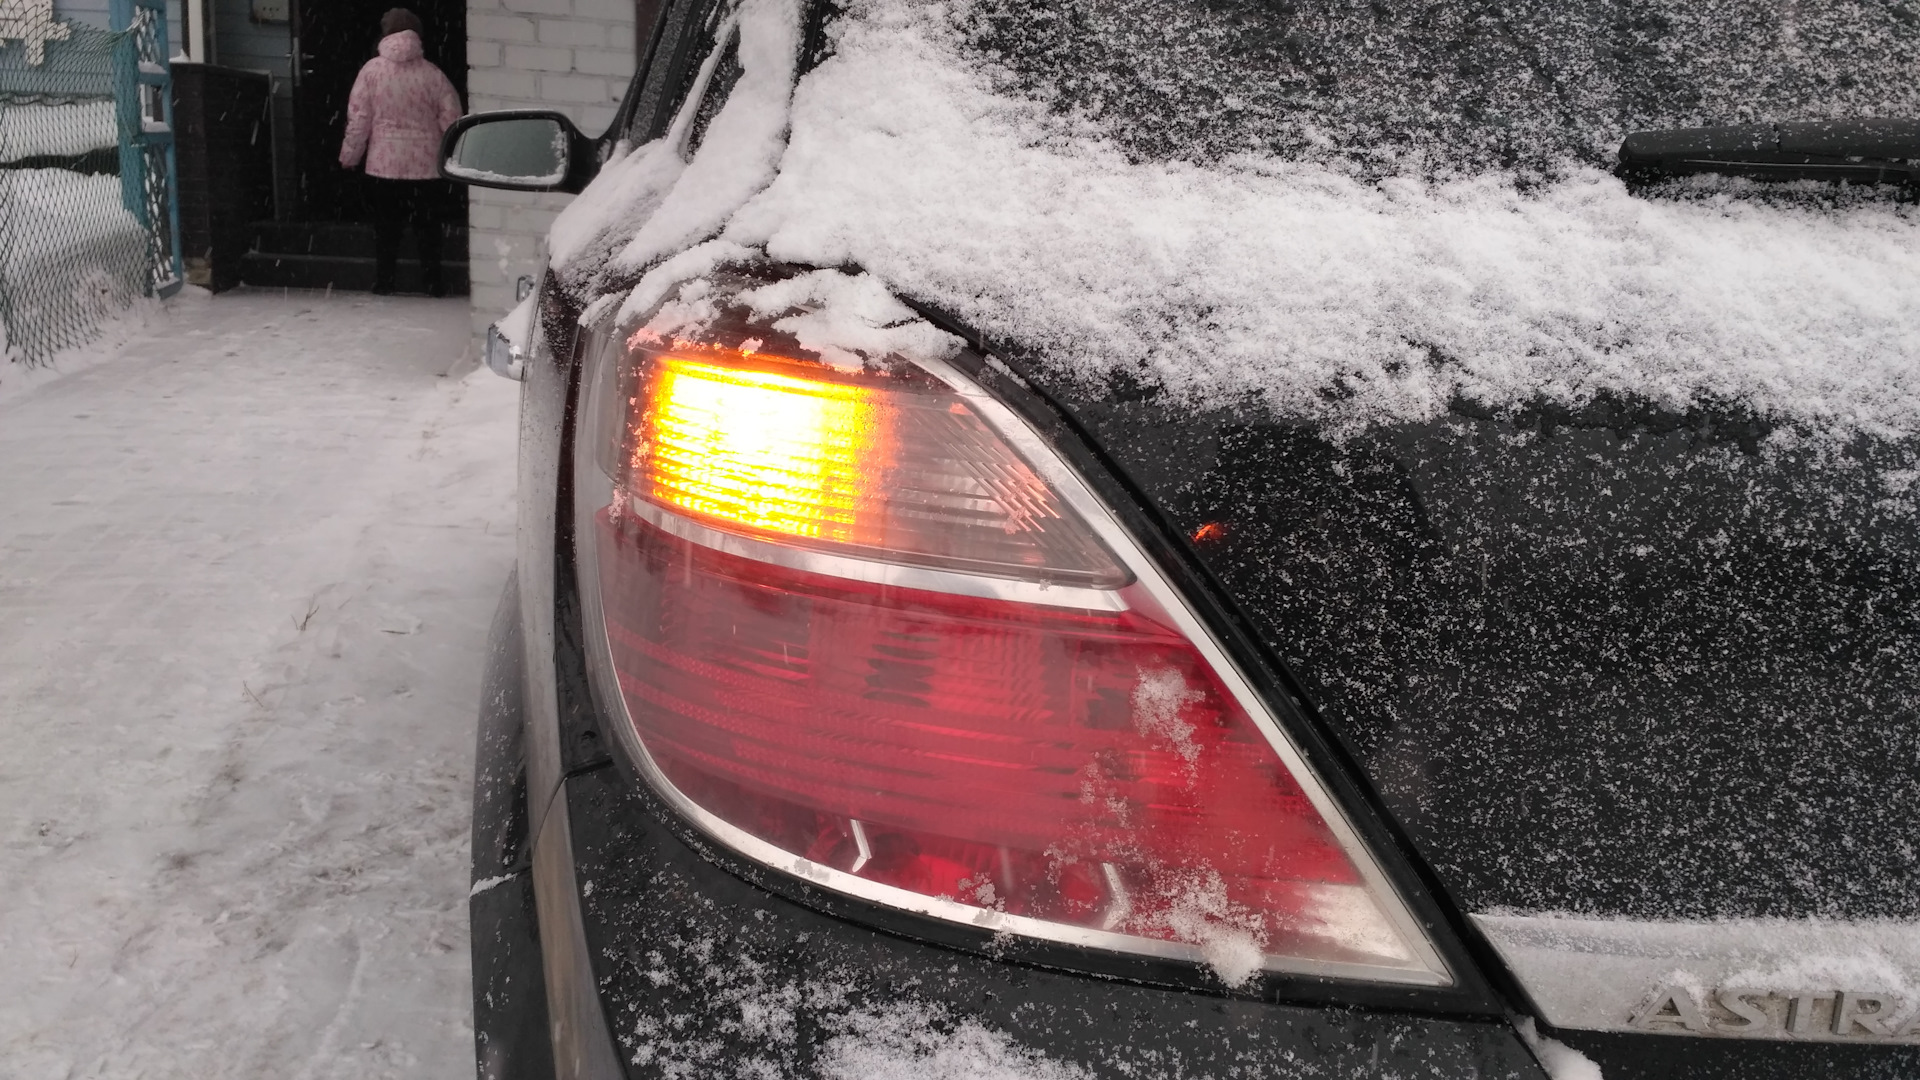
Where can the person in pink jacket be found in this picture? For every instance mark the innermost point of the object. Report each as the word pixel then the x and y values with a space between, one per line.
pixel 400 106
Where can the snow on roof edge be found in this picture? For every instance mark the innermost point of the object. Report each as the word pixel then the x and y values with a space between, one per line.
pixel 1327 298
pixel 1322 298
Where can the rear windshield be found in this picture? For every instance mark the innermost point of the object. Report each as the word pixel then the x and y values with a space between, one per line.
pixel 1382 87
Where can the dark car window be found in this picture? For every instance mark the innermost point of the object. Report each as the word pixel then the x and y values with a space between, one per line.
pixel 686 37
pixel 1435 86
pixel 725 74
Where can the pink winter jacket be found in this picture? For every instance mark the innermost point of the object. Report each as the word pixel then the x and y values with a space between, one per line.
pixel 400 106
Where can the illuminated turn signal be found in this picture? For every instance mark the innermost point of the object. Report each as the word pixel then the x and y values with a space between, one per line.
pixel 761 449
pixel 867 465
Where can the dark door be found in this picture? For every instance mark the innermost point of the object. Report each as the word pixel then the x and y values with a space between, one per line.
pixel 332 39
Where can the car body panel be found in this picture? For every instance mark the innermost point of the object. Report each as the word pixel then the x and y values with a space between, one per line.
pixel 511 1040
pixel 701 970
pixel 1643 670
pixel 1638 1056
pixel 1647 666
pixel 581 1048
pixel 1597 664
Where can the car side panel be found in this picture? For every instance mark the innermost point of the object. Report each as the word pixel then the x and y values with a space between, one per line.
pixel 581 1048
pixel 509 986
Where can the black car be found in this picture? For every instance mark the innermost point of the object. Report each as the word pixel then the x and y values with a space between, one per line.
pixel 1214 538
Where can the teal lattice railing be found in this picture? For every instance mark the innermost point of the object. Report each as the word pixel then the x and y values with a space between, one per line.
pixel 144 92
pixel 87 218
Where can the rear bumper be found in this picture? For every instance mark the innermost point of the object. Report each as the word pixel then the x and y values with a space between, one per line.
pixel 699 969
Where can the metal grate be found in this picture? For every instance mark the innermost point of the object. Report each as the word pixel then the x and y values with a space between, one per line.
pixel 144 89
pixel 87 222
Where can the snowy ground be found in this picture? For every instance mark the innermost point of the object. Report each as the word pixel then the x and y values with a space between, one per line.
pixel 246 568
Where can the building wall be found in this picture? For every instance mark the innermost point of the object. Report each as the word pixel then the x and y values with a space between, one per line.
pixel 94 13
pixel 573 56
pixel 240 42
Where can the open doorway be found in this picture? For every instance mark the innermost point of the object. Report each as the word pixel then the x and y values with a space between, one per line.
pixel 331 40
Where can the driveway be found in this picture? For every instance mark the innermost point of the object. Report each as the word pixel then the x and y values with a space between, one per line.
pixel 247 564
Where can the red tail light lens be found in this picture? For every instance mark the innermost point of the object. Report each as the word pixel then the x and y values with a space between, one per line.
pixel 860 635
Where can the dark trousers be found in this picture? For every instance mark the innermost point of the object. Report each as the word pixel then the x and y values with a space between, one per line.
pixel 396 204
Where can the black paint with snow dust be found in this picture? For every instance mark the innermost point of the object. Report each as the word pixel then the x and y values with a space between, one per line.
pixel 1613 661
pixel 706 976
pixel 1389 87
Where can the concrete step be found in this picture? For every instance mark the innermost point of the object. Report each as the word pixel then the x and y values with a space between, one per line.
pixel 348 273
pixel 343 238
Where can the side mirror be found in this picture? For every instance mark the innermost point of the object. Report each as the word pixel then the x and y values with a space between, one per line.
pixel 519 149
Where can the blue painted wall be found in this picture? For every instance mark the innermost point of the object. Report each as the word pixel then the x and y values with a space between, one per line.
pixel 94 13
pixel 239 42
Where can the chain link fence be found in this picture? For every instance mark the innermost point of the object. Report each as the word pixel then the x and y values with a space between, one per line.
pixel 86 217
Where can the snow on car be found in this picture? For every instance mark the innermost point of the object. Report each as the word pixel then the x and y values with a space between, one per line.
pixel 1160 539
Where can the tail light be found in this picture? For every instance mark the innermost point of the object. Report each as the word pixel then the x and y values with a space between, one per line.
pixel 868 629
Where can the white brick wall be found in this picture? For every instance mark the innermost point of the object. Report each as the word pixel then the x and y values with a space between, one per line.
pixel 574 56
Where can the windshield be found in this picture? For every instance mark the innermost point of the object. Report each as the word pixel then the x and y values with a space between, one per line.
pixel 1418 86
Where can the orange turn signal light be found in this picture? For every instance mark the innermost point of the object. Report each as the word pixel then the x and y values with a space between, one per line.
pixel 767 450
pixel 866 465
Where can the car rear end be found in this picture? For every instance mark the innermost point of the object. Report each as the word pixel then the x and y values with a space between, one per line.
pixel 1374 598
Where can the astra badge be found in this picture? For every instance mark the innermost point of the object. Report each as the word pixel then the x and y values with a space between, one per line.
pixel 1770 1013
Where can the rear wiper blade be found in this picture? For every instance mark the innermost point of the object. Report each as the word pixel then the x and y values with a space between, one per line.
pixel 1856 151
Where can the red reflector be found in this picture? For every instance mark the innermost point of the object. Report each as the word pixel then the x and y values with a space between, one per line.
pixel 1077 767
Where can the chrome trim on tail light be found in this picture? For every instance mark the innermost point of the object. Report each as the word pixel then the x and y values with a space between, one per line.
pixel 879 573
